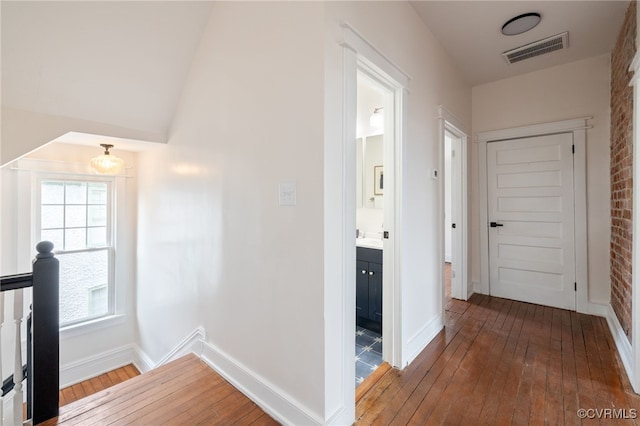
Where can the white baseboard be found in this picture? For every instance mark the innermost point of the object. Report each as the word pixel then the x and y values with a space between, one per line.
pixel 421 339
pixel 142 361
pixel 87 368
pixel 622 342
pixel 282 407
pixel 190 344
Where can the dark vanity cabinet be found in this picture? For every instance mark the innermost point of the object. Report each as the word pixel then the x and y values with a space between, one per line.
pixel 369 288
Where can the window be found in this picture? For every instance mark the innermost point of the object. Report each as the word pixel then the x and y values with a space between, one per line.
pixel 76 217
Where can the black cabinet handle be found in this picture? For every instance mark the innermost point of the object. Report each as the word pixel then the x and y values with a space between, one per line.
pixel 495 224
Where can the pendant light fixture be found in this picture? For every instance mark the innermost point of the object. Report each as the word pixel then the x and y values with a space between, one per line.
pixel 106 164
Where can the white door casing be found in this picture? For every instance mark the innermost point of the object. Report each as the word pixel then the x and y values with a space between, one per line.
pixel 530 208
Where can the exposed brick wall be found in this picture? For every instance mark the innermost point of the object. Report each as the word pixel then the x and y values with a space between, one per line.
pixel 622 169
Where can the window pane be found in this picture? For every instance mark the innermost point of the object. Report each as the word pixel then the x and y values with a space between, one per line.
pixel 51 217
pixel 97 237
pixel 53 235
pixel 98 302
pixel 97 216
pixel 97 193
pixel 80 272
pixel 75 239
pixel 75 216
pixel 52 192
pixel 76 193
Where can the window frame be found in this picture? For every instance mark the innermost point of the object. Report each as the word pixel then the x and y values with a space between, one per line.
pixel 111 233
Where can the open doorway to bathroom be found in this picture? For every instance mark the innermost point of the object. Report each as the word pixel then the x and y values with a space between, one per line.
pixel 370 215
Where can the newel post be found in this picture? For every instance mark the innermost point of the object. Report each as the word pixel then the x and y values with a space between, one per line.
pixel 45 368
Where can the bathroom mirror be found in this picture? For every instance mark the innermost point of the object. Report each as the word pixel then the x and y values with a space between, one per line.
pixel 369 188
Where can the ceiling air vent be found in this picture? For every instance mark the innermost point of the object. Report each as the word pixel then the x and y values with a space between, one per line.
pixel 537 48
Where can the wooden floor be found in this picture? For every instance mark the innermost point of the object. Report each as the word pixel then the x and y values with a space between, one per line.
pixel 497 362
pixel 500 362
pixel 89 387
pixel 185 391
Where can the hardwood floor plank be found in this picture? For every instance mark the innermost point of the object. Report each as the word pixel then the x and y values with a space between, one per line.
pixel 400 404
pixel 185 391
pixel 495 362
pixel 495 397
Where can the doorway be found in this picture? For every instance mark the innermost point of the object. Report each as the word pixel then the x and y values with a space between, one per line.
pixel 454 166
pixel 359 56
pixel 373 136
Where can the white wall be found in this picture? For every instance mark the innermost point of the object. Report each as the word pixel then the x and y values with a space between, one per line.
pixel 578 89
pixel 215 248
pixel 397 32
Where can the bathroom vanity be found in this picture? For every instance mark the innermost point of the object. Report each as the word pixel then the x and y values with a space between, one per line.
pixel 369 288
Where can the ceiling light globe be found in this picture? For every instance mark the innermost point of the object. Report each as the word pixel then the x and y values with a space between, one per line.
pixel 521 23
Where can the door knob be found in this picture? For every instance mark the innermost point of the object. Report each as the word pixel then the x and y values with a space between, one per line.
pixel 364 272
pixel 370 272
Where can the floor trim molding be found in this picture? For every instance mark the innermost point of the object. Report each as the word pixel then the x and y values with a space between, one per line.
pixel 422 338
pixel 622 342
pixel 89 367
pixel 282 407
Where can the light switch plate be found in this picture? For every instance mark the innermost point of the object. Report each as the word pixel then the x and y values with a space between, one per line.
pixel 287 193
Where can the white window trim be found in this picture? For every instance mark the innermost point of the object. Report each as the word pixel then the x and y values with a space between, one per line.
pixel 38 178
pixel 29 170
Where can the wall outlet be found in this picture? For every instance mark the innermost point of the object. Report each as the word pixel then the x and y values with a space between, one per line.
pixel 287 193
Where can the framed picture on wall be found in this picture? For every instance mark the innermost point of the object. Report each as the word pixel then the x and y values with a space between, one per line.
pixel 378 184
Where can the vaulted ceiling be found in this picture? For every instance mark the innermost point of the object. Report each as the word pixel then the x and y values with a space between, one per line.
pixel 125 63
pixel 120 63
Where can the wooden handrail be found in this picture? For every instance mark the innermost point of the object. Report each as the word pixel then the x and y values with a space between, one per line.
pixel 14 282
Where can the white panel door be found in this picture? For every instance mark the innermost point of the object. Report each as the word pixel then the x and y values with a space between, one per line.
pixel 531 214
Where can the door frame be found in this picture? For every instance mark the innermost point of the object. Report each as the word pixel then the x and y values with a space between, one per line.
pixel 449 123
pixel 579 128
pixel 361 56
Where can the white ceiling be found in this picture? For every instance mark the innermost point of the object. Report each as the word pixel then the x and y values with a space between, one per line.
pixel 470 32
pixel 120 63
pixel 125 63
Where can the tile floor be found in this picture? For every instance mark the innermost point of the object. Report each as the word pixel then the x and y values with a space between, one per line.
pixel 368 353
pixel 369 343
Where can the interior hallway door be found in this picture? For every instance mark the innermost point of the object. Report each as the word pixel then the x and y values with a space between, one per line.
pixel 531 213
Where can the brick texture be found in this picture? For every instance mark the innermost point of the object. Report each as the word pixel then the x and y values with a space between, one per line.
pixel 622 169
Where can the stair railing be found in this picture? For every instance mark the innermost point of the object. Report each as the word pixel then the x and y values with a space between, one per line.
pixel 43 341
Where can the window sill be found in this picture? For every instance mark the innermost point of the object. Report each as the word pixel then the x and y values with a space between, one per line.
pixel 91 326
